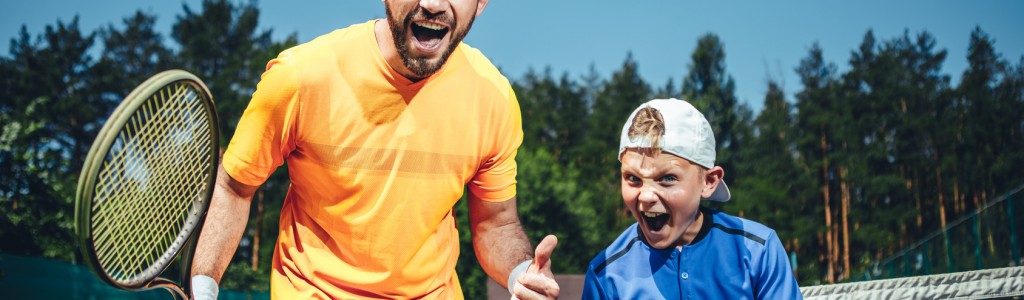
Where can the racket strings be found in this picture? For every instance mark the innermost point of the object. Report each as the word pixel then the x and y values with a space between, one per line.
pixel 151 199
pixel 150 181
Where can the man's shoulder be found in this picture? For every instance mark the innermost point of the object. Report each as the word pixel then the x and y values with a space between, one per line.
pixel 338 39
pixel 482 66
pixel 312 62
pixel 476 58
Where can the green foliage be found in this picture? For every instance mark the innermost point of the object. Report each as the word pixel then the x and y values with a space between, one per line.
pixel 244 278
pixel 552 109
pixel 612 103
pixel 133 53
pixel 553 197
pixel 220 44
pixel 49 117
pixel 471 276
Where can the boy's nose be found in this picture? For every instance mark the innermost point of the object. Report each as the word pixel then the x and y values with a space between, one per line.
pixel 648 195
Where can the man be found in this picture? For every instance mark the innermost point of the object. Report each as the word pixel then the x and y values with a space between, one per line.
pixel 382 125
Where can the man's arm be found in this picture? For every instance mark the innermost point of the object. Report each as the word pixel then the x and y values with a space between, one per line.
pixel 501 245
pixel 225 223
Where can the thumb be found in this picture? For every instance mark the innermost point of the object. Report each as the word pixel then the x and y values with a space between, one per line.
pixel 542 257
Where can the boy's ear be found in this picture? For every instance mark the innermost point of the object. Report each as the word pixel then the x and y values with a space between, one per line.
pixel 712 178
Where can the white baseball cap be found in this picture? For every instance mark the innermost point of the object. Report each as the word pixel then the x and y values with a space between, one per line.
pixel 687 134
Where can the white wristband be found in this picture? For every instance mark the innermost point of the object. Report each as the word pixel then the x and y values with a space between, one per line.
pixel 518 271
pixel 204 288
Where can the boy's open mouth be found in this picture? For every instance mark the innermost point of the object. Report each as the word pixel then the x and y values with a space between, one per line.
pixel 655 221
pixel 429 35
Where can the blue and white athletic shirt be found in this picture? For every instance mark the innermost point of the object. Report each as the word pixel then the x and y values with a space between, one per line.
pixel 730 258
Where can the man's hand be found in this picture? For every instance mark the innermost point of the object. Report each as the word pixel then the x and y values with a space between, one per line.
pixel 538 282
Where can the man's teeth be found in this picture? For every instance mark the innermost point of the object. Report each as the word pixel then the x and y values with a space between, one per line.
pixel 430 26
pixel 651 215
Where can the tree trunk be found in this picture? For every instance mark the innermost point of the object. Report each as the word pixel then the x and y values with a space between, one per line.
pixel 915 185
pixel 845 189
pixel 830 275
pixel 956 197
pixel 941 199
pixel 942 206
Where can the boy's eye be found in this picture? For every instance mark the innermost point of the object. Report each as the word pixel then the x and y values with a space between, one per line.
pixel 668 178
pixel 632 179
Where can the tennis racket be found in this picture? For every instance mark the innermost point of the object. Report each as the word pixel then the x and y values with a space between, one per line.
pixel 146 184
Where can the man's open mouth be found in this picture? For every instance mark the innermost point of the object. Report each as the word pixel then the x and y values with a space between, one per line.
pixel 429 35
pixel 655 221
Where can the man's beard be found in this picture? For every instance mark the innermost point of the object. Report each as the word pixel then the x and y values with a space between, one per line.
pixel 421 66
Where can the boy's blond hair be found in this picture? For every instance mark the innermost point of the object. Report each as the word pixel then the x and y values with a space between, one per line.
pixel 649 125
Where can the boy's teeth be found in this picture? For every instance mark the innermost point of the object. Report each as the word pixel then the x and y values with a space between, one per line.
pixel 650 214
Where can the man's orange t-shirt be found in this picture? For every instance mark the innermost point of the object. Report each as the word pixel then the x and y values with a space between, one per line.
pixel 376 163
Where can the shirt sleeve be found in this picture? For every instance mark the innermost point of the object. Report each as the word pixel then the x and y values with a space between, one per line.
pixel 592 289
pixel 776 280
pixel 496 179
pixel 263 137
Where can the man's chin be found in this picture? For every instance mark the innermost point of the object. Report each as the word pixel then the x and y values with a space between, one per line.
pixel 423 67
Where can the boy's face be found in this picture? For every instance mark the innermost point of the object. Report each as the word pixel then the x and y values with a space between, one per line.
pixel 663 192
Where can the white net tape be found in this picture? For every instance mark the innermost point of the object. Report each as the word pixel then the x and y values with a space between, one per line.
pixel 980 284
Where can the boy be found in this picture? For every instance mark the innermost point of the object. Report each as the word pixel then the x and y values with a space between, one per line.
pixel 678 249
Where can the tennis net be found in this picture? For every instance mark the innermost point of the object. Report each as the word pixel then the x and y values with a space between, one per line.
pixel 998 283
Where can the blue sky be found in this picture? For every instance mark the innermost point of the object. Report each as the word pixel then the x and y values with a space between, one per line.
pixel 763 39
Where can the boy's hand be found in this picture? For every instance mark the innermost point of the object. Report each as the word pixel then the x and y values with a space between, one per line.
pixel 538 282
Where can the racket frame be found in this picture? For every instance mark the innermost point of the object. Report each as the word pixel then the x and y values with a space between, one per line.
pixel 93 163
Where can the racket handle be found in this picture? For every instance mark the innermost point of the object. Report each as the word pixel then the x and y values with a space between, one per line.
pixel 204 288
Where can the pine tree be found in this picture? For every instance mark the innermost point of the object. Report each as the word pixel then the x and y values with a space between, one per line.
pixel 818 111
pixel 221 45
pixel 613 103
pixel 710 89
pixel 49 119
